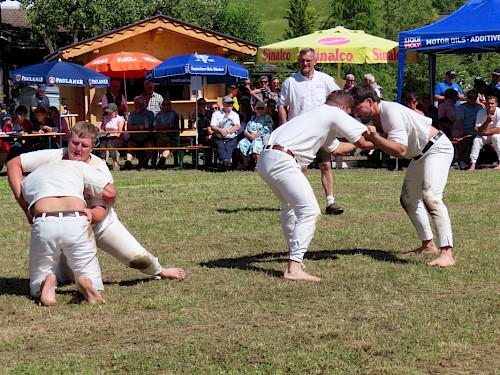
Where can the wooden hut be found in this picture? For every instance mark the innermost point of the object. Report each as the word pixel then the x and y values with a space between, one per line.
pixel 159 36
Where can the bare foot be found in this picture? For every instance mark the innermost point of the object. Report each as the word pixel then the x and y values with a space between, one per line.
pixel 472 167
pixel 294 271
pixel 48 291
pixel 445 259
pixel 497 167
pixel 428 247
pixel 90 293
pixel 172 274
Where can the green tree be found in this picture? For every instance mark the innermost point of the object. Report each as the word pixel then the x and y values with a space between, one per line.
pixel 60 22
pixel 302 18
pixel 79 19
pixel 356 15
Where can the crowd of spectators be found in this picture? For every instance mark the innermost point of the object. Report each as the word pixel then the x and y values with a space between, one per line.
pixel 236 132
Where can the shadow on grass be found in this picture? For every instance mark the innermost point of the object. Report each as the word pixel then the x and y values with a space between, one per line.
pixel 20 287
pixel 248 209
pixel 247 263
pixel 14 286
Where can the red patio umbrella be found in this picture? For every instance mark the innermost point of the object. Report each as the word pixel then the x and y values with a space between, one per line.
pixel 124 65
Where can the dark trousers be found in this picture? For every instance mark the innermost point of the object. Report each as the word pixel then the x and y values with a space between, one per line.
pixel 225 148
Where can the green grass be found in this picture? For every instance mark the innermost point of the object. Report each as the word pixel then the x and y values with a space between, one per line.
pixel 273 16
pixel 375 312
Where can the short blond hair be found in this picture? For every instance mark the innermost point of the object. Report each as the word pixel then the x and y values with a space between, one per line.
pixel 85 129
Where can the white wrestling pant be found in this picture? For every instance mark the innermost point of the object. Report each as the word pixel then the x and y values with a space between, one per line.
pixel 423 189
pixel 112 237
pixel 480 141
pixel 53 236
pixel 300 211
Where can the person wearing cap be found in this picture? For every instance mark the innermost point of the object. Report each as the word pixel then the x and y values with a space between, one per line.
pixel 301 92
pixel 225 124
pixel 114 96
pixel 112 125
pixel 448 83
pixel 257 130
pixel 495 79
pixel 406 134
pixel 39 100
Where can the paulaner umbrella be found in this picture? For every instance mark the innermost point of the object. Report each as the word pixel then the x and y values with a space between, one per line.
pixel 59 73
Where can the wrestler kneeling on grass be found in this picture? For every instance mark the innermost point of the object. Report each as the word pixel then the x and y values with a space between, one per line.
pixel 293 147
pixel 53 197
pixel 111 235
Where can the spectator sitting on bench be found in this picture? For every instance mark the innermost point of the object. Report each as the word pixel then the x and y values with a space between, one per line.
pixel 488 130
pixel 256 133
pixel 112 122
pixel 140 119
pixel 166 119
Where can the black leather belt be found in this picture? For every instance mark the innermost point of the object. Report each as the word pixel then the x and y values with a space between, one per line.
pixel 429 144
pixel 61 214
pixel 280 148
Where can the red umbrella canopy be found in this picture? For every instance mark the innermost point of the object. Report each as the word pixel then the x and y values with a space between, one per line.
pixel 124 64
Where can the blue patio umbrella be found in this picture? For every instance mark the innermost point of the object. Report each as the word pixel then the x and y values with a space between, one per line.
pixel 182 68
pixel 217 69
pixel 59 73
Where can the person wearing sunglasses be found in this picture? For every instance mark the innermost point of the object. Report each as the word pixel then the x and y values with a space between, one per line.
pixel 256 133
pixel 412 103
pixel 349 82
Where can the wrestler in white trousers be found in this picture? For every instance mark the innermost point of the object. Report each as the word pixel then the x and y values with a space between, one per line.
pixel 480 141
pixel 299 208
pixel 112 237
pixel 53 236
pixel 423 189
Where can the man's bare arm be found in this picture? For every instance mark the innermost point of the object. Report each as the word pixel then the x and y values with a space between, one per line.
pixel 15 177
pixel 282 114
pixel 390 147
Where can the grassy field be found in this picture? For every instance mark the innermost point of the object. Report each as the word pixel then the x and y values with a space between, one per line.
pixel 375 312
pixel 273 16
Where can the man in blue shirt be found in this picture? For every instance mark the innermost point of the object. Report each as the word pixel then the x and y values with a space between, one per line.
pixel 466 121
pixel 448 83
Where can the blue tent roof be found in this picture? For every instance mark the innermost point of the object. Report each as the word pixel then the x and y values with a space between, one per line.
pixel 473 28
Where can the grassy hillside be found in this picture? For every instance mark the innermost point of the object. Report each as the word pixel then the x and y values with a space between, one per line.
pixel 272 14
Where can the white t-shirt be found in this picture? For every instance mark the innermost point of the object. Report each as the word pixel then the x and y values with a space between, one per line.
pixel 63 178
pixel 301 94
pixel 405 126
pixel 30 161
pixel 481 118
pixel 112 124
pixel 327 123
pixel 218 116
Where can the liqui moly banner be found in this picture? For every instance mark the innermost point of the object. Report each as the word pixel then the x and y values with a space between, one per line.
pixel 433 42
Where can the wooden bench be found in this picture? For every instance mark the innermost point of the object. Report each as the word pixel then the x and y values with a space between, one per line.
pixel 180 149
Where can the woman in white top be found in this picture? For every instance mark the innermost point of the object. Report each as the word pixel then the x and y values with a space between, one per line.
pixel 112 123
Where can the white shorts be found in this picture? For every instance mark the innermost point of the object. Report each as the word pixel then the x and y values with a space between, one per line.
pixel 71 236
